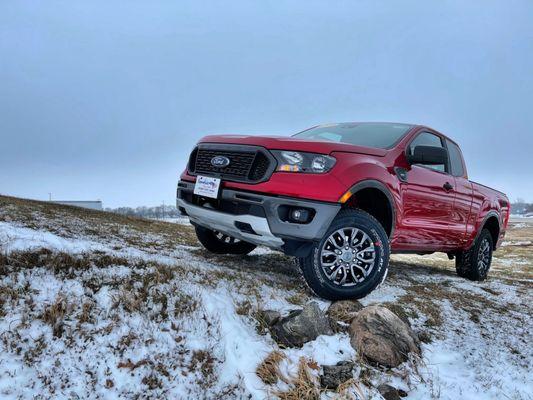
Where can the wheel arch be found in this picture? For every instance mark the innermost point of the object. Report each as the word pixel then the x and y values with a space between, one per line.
pixel 381 207
pixel 491 222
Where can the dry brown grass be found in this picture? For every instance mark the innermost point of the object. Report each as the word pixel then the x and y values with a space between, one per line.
pixel 268 370
pixel 54 315
pixel 202 361
pixel 61 263
pixel 350 390
pixel 515 259
pixel 243 308
pixel 70 221
pixel 85 315
pixel 304 386
pixel 185 304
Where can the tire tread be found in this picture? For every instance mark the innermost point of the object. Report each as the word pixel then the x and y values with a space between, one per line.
pixel 466 261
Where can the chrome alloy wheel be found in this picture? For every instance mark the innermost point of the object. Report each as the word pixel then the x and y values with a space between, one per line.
pixel 483 259
pixel 347 256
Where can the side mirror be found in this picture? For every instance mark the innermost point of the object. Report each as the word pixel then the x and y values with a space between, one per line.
pixel 428 155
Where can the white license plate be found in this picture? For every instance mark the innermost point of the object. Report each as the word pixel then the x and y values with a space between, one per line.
pixel 207 186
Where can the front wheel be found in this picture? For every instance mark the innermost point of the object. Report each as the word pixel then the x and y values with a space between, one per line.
pixel 351 260
pixel 220 243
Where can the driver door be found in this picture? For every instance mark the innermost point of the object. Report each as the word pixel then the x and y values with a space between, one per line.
pixel 428 202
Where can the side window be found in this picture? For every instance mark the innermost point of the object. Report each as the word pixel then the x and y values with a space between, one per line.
pixel 428 139
pixel 456 160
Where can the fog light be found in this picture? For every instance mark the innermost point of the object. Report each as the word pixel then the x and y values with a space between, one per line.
pixel 299 215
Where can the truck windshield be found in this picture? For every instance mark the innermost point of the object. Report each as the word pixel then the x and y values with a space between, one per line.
pixel 369 134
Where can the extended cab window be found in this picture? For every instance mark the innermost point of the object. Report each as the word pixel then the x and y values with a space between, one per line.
pixel 428 139
pixel 456 160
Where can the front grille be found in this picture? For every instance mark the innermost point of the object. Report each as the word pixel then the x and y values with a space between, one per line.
pixel 250 165
pixel 259 167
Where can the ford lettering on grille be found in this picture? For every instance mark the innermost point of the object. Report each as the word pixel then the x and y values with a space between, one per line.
pixel 220 161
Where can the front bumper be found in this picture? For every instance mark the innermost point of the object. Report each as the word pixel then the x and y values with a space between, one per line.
pixel 254 217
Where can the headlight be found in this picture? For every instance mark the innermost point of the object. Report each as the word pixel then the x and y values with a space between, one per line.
pixel 295 161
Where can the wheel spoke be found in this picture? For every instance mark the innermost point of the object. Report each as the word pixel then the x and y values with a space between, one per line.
pixel 329 264
pixel 365 273
pixel 484 256
pixel 361 257
pixel 353 236
pixel 341 249
pixel 333 274
pixel 333 242
pixel 344 276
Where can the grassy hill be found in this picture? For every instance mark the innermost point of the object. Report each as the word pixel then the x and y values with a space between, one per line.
pixel 94 304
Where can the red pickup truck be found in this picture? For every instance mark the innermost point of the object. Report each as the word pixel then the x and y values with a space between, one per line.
pixel 341 197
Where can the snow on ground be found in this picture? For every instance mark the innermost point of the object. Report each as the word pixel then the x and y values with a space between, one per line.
pixel 97 306
pixel 19 238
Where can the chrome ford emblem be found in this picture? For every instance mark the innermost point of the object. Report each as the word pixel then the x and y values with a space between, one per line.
pixel 220 161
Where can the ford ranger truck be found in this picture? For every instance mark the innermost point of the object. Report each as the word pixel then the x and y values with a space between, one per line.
pixel 341 198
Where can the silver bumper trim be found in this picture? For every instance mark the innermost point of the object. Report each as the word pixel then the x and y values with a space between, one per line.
pixel 225 223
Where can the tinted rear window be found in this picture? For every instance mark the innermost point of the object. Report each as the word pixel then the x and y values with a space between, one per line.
pixel 377 135
pixel 456 160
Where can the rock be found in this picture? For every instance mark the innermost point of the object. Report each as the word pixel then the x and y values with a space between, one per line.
pixel 334 375
pixel 402 393
pixel 341 313
pixel 388 392
pixel 381 337
pixel 301 326
pixel 269 317
pixel 399 311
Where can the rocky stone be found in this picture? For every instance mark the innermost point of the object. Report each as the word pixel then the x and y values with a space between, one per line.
pixel 334 375
pixel 402 393
pixel 388 392
pixel 381 337
pixel 269 317
pixel 301 326
pixel 341 313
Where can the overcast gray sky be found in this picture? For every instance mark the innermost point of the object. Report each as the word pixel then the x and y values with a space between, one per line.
pixel 105 99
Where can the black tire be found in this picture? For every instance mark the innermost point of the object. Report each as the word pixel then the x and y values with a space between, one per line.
pixel 315 275
pixel 474 263
pixel 219 243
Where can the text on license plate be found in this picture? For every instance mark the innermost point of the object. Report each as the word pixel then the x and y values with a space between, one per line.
pixel 207 186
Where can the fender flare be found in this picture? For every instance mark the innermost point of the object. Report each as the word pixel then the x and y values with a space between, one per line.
pixel 491 213
pixel 374 184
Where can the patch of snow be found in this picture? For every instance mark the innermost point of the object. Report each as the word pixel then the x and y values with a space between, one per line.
pixel 464 366
pixel 385 293
pixel 517 243
pixel 14 237
pixel 242 348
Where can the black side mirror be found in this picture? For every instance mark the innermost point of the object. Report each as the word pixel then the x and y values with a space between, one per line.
pixel 428 155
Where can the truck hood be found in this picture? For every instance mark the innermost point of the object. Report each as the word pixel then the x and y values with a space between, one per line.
pixel 292 143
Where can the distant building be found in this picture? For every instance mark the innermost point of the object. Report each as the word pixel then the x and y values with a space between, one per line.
pixel 93 205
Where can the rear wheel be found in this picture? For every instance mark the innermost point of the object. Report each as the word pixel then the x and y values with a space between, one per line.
pixel 474 263
pixel 351 260
pixel 220 243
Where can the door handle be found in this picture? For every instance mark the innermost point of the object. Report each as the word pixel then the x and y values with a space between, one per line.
pixel 447 186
